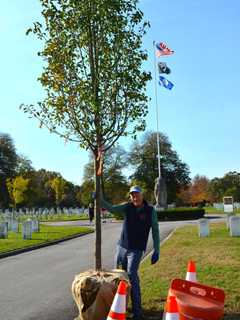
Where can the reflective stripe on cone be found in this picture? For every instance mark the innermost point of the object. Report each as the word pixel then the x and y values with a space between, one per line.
pixel 172 309
pixel 118 308
pixel 191 272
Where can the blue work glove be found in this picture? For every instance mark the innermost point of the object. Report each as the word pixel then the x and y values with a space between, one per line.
pixel 155 257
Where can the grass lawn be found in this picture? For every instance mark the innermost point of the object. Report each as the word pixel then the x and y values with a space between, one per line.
pixel 214 210
pixel 70 218
pixel 46 234
pixel 66 218
pixel 56 217
pixel 218 264
pixel 60 217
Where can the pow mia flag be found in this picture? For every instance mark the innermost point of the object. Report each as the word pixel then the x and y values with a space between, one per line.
pixel 163 68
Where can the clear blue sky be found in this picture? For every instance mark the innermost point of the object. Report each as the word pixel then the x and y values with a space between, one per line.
pixel 200 115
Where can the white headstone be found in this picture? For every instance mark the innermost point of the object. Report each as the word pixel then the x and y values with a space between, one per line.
pixel 203 228
pixel 228 204
pixel 228 220
pixel 3 230
pixel 35 226
pixel 14 226
pixel 9 224
pixel 234 226
pixel 27 230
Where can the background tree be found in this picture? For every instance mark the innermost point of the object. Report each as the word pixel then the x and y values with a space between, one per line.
pixel 71 195
pixel 93 76
pixel 114 183
pixel 38 192
pixel 58 184
pixel 41 193
pixel 86 194
pixel 228 185
pixel 199 190
pixel 184 196
pixel 143 157
pixel 8 164
pixel 24 165
pixel 17 188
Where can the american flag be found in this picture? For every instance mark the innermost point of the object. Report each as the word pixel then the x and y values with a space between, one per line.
pixel 163 50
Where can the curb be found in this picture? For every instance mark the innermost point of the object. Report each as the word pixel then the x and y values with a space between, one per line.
pixel 161 243
pixel 41 245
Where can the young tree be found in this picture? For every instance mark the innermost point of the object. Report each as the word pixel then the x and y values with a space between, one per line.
pixel 93 76
pixel 143 157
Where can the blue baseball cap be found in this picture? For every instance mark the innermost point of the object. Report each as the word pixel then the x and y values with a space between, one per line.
pixel 135 189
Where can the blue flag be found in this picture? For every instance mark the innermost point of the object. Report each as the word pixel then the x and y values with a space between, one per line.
pixel 165 83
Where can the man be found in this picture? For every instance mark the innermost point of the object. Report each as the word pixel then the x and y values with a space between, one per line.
pixel 139 218
pixel 90 212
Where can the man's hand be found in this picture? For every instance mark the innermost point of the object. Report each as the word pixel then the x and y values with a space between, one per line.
pixel 155 257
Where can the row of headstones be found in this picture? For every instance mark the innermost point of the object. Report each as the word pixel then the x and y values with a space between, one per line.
pixel 219 206
pixel 233 225
pixel 41 215
pixel 28 227
pixel 44 211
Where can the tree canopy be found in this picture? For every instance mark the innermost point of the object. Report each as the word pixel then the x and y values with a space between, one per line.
pixel 17 189
pixel 228 185
pixel 8 156
pixel 8 164
pixel 93 72
pixel 23 186
pixel 199 190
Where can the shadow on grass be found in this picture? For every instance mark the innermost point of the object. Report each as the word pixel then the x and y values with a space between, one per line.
pixel 154 314
pixel 232 316
pixel 150 314
pixel 214 217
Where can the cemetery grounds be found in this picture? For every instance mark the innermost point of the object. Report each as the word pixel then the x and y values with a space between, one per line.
pixel 46 234
pixel 217 260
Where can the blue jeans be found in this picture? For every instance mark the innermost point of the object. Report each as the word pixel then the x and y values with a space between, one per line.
pixel 129 260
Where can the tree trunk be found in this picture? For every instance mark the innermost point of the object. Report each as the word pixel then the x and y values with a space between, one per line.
pixel 98 239
pixel 102 187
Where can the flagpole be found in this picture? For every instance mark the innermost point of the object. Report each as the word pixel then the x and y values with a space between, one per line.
pixel 157 112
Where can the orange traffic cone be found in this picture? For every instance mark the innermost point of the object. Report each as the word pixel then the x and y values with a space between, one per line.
pixel 191 272
pixel 172 309
pixel 118 308
pixel 165 305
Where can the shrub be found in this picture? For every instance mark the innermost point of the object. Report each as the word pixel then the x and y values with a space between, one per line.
pixel 174 214
pixel 180 214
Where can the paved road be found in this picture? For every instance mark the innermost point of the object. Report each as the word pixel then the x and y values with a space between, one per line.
pixel 36 285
